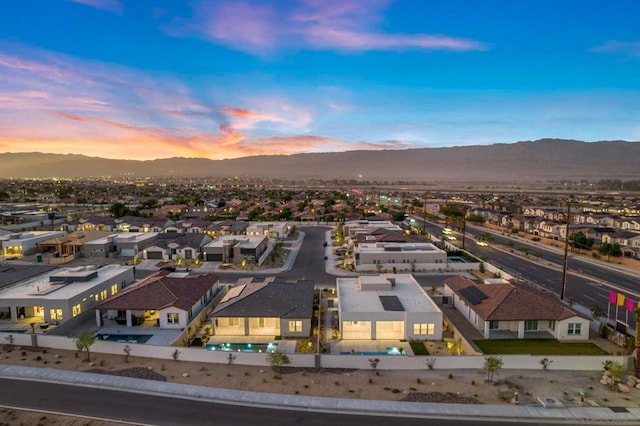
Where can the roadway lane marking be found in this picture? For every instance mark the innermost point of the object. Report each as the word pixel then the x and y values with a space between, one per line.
pixel 588 297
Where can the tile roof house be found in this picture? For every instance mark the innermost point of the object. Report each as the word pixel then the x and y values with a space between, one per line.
pixel 171 300
pixel 269 307
pixel 173 246
pixel 514 311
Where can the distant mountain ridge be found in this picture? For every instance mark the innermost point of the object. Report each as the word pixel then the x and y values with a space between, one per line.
pixel 544 159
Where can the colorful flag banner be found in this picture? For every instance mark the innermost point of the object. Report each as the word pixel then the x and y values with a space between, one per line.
pixel 620 299
pixel 630 304
pixel 612 297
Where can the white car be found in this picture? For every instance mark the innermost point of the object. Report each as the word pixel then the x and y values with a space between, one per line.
pixel 451 237
pixel 482 243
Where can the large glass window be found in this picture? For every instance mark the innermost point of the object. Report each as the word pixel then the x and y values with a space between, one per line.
pixel 494 325
pixel 424 328
pixel 530 325
pixel 75 310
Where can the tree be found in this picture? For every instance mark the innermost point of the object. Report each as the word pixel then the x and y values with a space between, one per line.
pixel 118 210
pixel 456 346
pixel 636 315
pixel 277 360
pixel 492 364
pixel 609 250
pixel 597 312
pixel 285 214
pixel 84 343
pixel 579 240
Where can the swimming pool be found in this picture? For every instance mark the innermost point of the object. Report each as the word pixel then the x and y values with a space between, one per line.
pixel 391 350
pixel 243 347
pixel 125 338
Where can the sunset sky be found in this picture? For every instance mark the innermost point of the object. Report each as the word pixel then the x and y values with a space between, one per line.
pixel 144 79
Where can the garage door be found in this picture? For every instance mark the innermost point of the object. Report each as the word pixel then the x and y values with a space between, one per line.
pixel 213 257
pixel 356 330
pixel 154 254
pixel 389 329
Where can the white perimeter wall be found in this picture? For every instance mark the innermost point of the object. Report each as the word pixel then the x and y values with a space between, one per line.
pixel 517 362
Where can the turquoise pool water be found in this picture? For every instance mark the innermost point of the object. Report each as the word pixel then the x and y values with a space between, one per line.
pixel 128 338
pixel 243 347
pixel 390 351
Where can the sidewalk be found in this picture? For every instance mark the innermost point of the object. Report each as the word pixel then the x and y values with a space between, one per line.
pixel 495 413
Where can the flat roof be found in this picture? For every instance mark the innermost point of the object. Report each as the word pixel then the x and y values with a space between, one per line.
pixel 381 247
pixel 407 291
pixel 41 287
pixel 240 240
pixel 130 237
pixel 11 273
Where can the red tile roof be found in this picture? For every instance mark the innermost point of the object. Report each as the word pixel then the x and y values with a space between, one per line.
pixel 511 302
pixel 160 291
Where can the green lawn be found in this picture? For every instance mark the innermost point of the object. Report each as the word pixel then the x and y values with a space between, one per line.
pixel 418 348
pixel 537 347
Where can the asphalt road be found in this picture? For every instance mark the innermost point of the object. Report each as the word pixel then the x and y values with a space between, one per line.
pixel 156 410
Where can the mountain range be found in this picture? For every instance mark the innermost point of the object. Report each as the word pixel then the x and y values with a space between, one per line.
pixel 526 161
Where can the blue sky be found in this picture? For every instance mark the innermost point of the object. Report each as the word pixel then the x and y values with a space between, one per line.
pixel 219 79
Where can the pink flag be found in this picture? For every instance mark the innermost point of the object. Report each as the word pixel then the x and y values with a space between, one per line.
pixel 612 297
pixel 630 304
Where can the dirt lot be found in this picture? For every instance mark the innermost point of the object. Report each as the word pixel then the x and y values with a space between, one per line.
pixel 424 385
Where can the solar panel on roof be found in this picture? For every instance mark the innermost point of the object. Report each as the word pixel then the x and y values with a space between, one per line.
pixel 391 303
pixel 233 292
pixel 473 294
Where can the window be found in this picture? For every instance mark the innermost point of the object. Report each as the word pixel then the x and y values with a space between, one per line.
pixel 295 326
pixel 234 322
pixel 494 325
pixel 431 329
pixel 261 322
pixel 188 254
pixel 75 310
pixel 114 289
pixel 103 294
pixel 574 329
pixel 55 314
pixel 423 328
pixel 173 318
pixel 530 325
pixel 552 324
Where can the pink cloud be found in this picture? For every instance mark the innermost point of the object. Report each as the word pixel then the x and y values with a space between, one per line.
pixel 108 5
pixel 346 25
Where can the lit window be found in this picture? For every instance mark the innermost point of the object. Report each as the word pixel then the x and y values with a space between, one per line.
pixel 419 328
pixel 431 329
pixel 173 318
pixel 574 329
pixel 295 326
pixel 234 322
pixel 75 310
pixel 55 314
pixel 103 294
pixel 114 289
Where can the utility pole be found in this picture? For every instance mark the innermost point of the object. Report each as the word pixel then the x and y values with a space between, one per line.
pixel 566 251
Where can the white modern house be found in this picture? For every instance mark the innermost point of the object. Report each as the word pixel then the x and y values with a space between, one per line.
pixel 63 294
pixel 392 306
pixel 401 256
pixel 278 230
pixel 353 227
pixel 22 243
pixel 505 310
